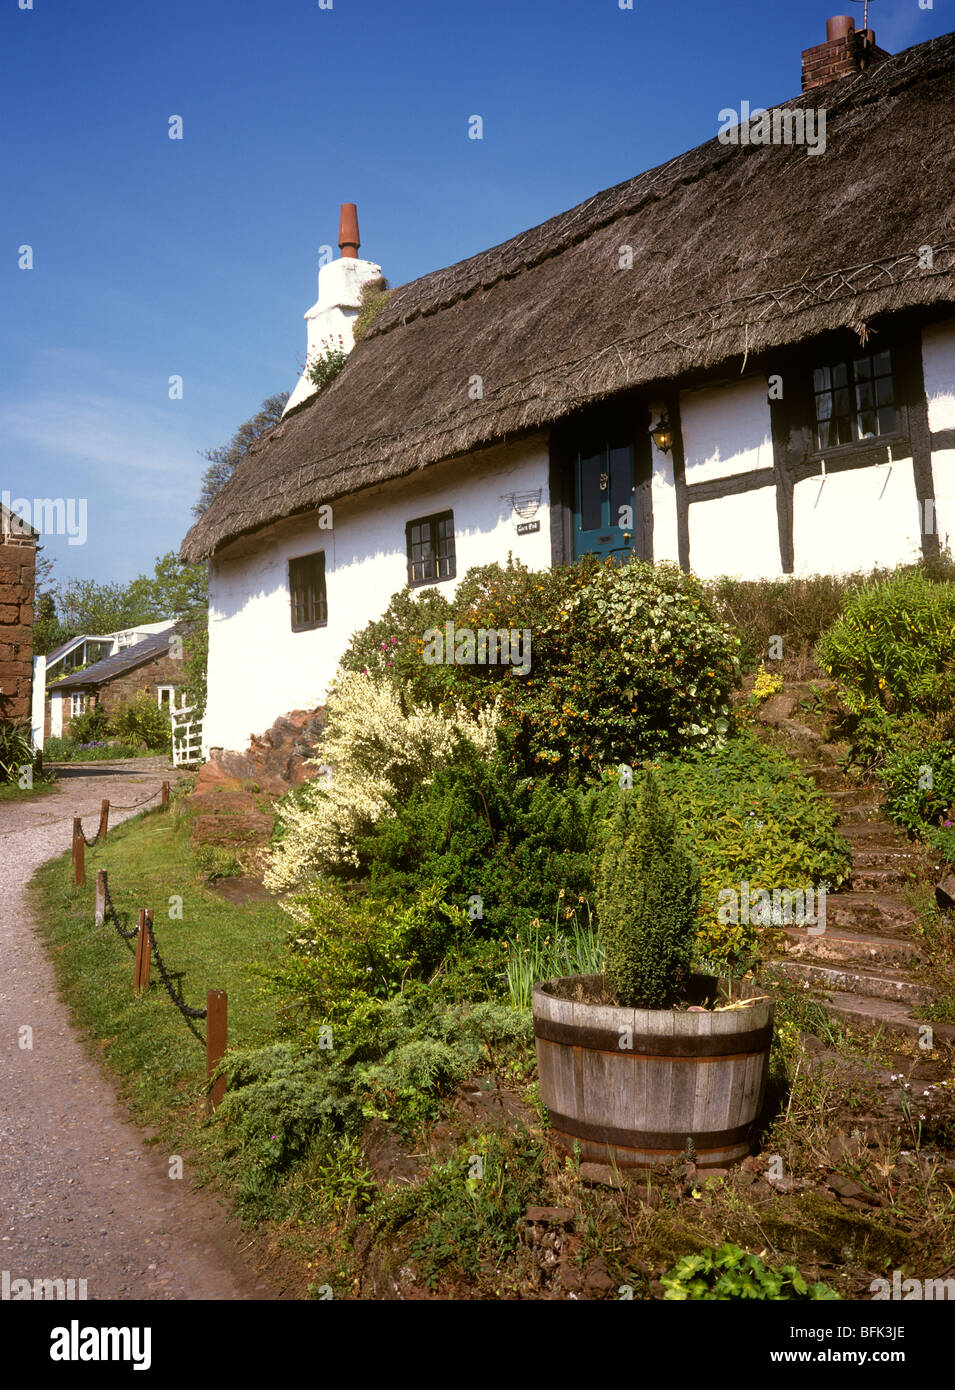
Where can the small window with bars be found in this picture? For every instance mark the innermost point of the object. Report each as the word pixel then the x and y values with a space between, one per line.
pixel 430 541
pixel 855 400
pixel 306 581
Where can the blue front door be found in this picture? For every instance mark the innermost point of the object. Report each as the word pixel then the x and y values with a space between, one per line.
pixel 604 502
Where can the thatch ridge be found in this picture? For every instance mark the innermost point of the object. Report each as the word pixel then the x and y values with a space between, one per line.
pixel 550 323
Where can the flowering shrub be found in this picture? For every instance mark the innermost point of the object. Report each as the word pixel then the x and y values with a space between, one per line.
pixel 894 646
pixel 379 755
pixel 325 366
pixel 628 660
pixel 766 684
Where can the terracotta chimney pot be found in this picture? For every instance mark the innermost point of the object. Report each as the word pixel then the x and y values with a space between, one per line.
pixel 348 242
pixel 840 26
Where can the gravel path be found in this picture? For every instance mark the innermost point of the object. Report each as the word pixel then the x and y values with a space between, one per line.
pixel 80 1195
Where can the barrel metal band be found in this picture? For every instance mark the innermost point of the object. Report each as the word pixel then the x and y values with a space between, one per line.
pixel 657 1044
pixel 650 1141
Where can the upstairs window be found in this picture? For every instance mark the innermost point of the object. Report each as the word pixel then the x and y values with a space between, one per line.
pixel 854 400
pixel 306 582
pixel 430 542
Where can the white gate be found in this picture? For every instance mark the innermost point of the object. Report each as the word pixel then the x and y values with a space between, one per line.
pixel 186 738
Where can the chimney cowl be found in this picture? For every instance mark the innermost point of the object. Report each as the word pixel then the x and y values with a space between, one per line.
pixel 840 26
pixel 348 242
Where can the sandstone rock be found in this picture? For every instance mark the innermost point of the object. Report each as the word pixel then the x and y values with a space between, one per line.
pixel 945 891
pixel 597 1277
pixel 549 1216
pixel 571 1278
pixel 278 759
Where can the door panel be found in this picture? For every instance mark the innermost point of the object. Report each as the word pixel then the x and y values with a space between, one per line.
pixel 604 483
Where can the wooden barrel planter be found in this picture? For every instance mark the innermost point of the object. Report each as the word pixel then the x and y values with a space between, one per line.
pixel 638 1083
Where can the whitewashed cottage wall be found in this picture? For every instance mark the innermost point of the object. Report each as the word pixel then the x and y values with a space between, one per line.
pixel 852 520
pixel 259 668
pixel 938 360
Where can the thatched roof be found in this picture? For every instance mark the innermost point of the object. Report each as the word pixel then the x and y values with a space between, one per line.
pixel 736 249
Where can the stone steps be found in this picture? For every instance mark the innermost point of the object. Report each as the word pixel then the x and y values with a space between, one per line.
pixel 880 878
pixel 859 966
pixel 886 1014
pixel 851 948
pixel 869 983
pixel 876 912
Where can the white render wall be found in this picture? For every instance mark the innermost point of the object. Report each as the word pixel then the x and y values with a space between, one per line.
pixel 854 520
pixel 260 669
pixel 938 363
pixel 726 430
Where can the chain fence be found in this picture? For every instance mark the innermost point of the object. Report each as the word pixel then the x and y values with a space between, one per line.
pixel 176 998
pixel 114 916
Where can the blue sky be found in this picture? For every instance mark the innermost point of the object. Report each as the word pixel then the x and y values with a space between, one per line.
pixel 198 257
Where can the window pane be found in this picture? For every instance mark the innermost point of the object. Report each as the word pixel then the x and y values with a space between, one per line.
pixel 867 424
pixel 840 374
pixel 882 362
pixel 821 379
pixel 862 368
pixel 883 391
pixel 824 434
pixel 864 395
pixel 888 420
pixel 824 406
pixel 431 548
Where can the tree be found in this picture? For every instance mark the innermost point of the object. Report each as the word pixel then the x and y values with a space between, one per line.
pixel 647 900
pixel 223 461
pixel 48 631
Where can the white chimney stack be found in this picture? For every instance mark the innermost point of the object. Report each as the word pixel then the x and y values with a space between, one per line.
pixel 339 299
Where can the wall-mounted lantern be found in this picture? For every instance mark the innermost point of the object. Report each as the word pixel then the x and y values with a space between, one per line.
pixel 662 435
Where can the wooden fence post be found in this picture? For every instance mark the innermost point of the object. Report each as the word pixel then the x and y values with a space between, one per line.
pixel 165 794
pixel 147 950
pixel 141 938
pixel 216 1018
pixel 103 818
pixel 100 915
pixel 79 856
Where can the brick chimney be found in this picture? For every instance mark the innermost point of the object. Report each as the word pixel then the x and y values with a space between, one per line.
pixel 847 51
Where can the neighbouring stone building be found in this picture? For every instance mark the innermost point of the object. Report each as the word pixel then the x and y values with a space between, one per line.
pixel 17 576
pixel 153 665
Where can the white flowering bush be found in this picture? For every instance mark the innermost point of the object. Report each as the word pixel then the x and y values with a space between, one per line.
pixel 374 752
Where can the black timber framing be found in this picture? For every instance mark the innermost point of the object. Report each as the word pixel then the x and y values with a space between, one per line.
pixel 671 404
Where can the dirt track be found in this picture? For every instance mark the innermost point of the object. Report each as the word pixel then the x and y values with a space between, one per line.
pixel 80 1195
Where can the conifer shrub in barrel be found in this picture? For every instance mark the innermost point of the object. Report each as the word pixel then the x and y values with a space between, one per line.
pixel 645 1061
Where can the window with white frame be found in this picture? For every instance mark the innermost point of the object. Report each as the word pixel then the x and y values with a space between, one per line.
pixel 167 698
pixel 77 704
